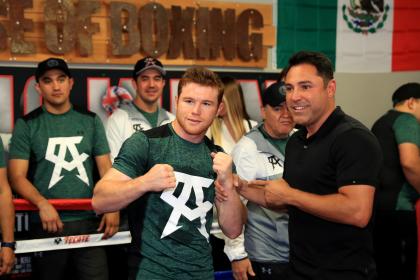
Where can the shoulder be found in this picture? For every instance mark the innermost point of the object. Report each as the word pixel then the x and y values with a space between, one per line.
pixel 405 119
pixel 84 112
pixel 33 115
pixel 162 131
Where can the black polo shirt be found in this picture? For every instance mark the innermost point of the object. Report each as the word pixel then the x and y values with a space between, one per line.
pixel 342 152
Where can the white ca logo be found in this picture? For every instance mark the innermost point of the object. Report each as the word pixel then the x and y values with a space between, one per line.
pixel 60 162
pixel 190 183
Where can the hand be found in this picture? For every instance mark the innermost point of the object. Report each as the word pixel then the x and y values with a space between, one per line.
pixel 110 222
pixel 50 219
pixel 159 178
pixel 238 184
pixel 241 269
pixel 276 193
pixel 222 165
pixel 7 260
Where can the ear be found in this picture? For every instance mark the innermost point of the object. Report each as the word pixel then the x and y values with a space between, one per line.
pixel 221 109
pixel 38 89
pixel 411 103
pixel 134 83
pixel 262 110
pixel 71 81
pixel 331 88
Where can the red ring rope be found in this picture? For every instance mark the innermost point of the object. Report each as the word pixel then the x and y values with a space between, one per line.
pixel 59 204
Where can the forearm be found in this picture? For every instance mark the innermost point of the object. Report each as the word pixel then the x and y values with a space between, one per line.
pixel 110 195
pixel 412 174
pixel 254 194
pixel 22 186
pixel 7 215
pixel 339 208
pixel 231 214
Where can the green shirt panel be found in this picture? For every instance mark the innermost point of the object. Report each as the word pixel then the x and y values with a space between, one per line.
pixel 61 150
pixel 407 130
pixel 2 161
pixel 279 144
pixel 183 253
pixel 152 118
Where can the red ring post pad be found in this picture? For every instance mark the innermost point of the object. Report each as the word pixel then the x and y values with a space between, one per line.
pixel 59 204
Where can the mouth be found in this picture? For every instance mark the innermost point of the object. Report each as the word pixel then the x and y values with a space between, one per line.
pixel 194 121
pixel 298 108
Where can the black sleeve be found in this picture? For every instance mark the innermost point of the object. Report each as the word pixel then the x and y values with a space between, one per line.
pixel 358 158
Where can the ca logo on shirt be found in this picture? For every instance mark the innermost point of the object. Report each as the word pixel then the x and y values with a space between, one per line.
pixel 191 183
pixel 66 143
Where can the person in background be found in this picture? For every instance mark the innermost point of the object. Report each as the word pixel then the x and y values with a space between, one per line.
pixel 260 155
pixel 395 230
pixel 144 112
pixel 53 153
pixel 226 130
pixel 7 219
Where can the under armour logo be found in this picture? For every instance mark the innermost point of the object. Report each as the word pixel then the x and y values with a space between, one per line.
pixel 266 270
pixel 274 161
pixel 138 127
pixel 66 143
pixel 150 61
pixel 58 240
pixel 179 203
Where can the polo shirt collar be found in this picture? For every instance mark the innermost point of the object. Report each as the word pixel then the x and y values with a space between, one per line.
pixel 336 116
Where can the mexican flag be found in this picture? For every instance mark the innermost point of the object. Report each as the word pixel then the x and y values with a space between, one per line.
pixel 357 35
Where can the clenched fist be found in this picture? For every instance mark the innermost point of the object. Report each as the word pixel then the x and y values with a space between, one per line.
pixel 159 178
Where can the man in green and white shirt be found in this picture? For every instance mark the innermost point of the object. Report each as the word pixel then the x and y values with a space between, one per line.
pixel 395 231
pixel 166 177
pixel 52 155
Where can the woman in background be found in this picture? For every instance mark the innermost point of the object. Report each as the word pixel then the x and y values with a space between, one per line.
pixel 233 120
pixel 230 125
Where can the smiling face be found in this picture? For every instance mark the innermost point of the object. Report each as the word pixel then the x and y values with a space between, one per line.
pixel 54 86
pixel 277 120
pixel 197 106
pixel 309 100
pixel 149 87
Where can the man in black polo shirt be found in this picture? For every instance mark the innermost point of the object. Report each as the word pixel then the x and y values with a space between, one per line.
pixel 331 169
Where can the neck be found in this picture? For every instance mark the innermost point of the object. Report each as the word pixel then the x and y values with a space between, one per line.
pixel 57 109
pixel 313 128
pixel 273 135
pixel 146 107
pixel 185 135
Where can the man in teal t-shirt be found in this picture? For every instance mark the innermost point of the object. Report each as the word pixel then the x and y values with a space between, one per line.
pixel 52 155
pixel 395 233
pixel 166 177
pixel 7 219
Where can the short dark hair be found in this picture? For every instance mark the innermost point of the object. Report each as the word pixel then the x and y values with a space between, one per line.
pixel 203 77
pixel 319 60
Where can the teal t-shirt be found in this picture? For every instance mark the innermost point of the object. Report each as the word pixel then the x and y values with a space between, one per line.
pixel 407 130
pixel 61 151
pixel 170 229
pixel 152 118
pixel 279 144
pixel 2 161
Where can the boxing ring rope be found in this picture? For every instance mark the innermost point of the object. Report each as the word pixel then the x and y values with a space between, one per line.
pixel 66 242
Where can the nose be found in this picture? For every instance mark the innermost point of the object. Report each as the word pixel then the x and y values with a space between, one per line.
pixel 196 109
pixel 56 85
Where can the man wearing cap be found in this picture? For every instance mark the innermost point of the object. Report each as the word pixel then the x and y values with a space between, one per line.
pixel 260 155
pixel 143 113
pixel 395 232
pixel 53 153
pixel 7 219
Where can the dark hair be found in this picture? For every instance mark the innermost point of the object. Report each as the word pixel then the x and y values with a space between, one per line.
pixel 319 60
pixel 203 77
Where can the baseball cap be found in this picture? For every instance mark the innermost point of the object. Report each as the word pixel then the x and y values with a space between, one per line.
pixel 146 64
pixel 405 92
pixel 51 63
pixel 274 95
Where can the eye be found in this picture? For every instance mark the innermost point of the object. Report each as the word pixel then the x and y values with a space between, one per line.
pixel 306 87
pixel 287 88
pixel 207 103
